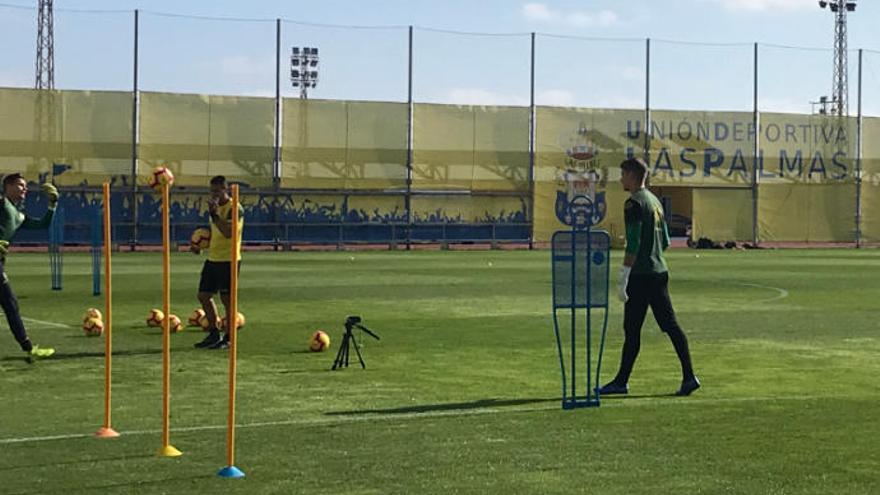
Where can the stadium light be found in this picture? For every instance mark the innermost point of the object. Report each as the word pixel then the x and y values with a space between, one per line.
pixel 304 69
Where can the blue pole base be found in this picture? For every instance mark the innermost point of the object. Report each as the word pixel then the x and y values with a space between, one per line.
pixel 230 472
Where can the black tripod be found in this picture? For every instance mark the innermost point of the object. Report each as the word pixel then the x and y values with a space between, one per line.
pixel 341 360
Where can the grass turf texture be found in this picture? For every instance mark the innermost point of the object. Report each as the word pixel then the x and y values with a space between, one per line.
pixel 462 393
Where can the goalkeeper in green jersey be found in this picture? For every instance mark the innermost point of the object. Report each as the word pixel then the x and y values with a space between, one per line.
pixel 643 280
pixel 11 219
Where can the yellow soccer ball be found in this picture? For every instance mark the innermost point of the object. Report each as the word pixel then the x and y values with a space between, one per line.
pixel 196 315
pixel 240 321
pixel 200 238
pixel 174 323
pixel 93 327
pixel 160 176
pixel 154 319
pixel 319 341
pixel 92 313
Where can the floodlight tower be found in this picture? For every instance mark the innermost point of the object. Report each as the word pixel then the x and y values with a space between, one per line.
pixel 45 47
pixel 840 93
pixel 304 69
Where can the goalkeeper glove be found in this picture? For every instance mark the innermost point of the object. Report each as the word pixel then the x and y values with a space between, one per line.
pixel 4 249
pixel 622 281
pixel 51 193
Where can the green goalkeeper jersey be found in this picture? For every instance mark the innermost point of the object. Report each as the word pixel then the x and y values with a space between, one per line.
pixel 646 233
pixel 11 219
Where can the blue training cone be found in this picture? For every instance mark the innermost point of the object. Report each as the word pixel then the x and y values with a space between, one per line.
pixel 230 472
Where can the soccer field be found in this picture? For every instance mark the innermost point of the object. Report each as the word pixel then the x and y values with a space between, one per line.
pixel 461 395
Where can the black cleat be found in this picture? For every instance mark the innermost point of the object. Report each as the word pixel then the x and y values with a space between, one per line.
pixel 211 340
pixel 612 388
pixel 221 344
pixel 688 387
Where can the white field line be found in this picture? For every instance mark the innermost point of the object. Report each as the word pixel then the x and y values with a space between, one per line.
pixel 781 293
pixel 46 323
pixel 361 417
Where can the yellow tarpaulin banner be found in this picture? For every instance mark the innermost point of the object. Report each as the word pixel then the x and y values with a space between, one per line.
pixel 806 212
pixel 870 179
pixel 470 148
pixel 344 144
pixel 722 214
pixel 806 178
pixel 200 136
pixel 82 137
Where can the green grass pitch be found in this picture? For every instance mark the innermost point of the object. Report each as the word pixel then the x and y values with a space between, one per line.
pixel 461 395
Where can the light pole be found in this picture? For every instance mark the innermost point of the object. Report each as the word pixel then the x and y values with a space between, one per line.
pixel 840 90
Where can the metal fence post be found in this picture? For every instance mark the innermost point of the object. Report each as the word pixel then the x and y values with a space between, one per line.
pixel 409 144
pixel 648 101
pixel 859 160
pixel 276 169
pixel 756 151
pixel 532 127
pixel 135 130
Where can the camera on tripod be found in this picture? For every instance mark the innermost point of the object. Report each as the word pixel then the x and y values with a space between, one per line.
pixel 351 322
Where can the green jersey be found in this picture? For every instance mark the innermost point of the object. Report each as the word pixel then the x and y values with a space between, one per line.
pixel 646 233
pixel 11 219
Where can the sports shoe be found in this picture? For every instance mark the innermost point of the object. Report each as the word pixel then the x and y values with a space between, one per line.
pixel 688 386
pixel 221 344
pixel 211 340
pixel 36 353
pixel 612 388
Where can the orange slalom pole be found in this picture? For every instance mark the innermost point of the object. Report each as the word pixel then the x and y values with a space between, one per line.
pixel 167 449
pixel 230 471
pixel 107 430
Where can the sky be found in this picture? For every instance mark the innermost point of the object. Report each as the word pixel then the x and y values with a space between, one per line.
pixel 587 53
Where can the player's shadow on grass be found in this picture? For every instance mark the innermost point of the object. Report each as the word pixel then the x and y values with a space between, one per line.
pixel 73 462
pixel 132 485
pixel 61 356
pixel 638 396
pixel 450 406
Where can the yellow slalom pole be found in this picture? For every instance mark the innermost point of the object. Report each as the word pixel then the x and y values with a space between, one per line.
pixel 107 430
pixel 230 471
pixel 167 449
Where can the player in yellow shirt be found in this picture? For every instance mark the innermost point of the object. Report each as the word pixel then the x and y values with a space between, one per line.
pixel 216 271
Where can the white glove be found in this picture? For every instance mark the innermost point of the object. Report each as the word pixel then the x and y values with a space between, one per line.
pixel 622 281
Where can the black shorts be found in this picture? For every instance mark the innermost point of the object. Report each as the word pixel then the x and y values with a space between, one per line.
pixel 215 277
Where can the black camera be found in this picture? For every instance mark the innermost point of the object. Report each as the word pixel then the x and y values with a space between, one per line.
pixel 351 322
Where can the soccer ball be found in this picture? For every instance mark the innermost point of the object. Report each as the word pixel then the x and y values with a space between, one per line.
pixel 224 323
pixel 319 342
pixel 92 313
pixel 161 176
pixel 203 322
pixel 200 238
pixel 154 319
pixel 174 323
pixel 93 327
pixel 196 315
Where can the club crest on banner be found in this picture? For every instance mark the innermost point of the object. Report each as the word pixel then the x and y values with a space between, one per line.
pixel 580 181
